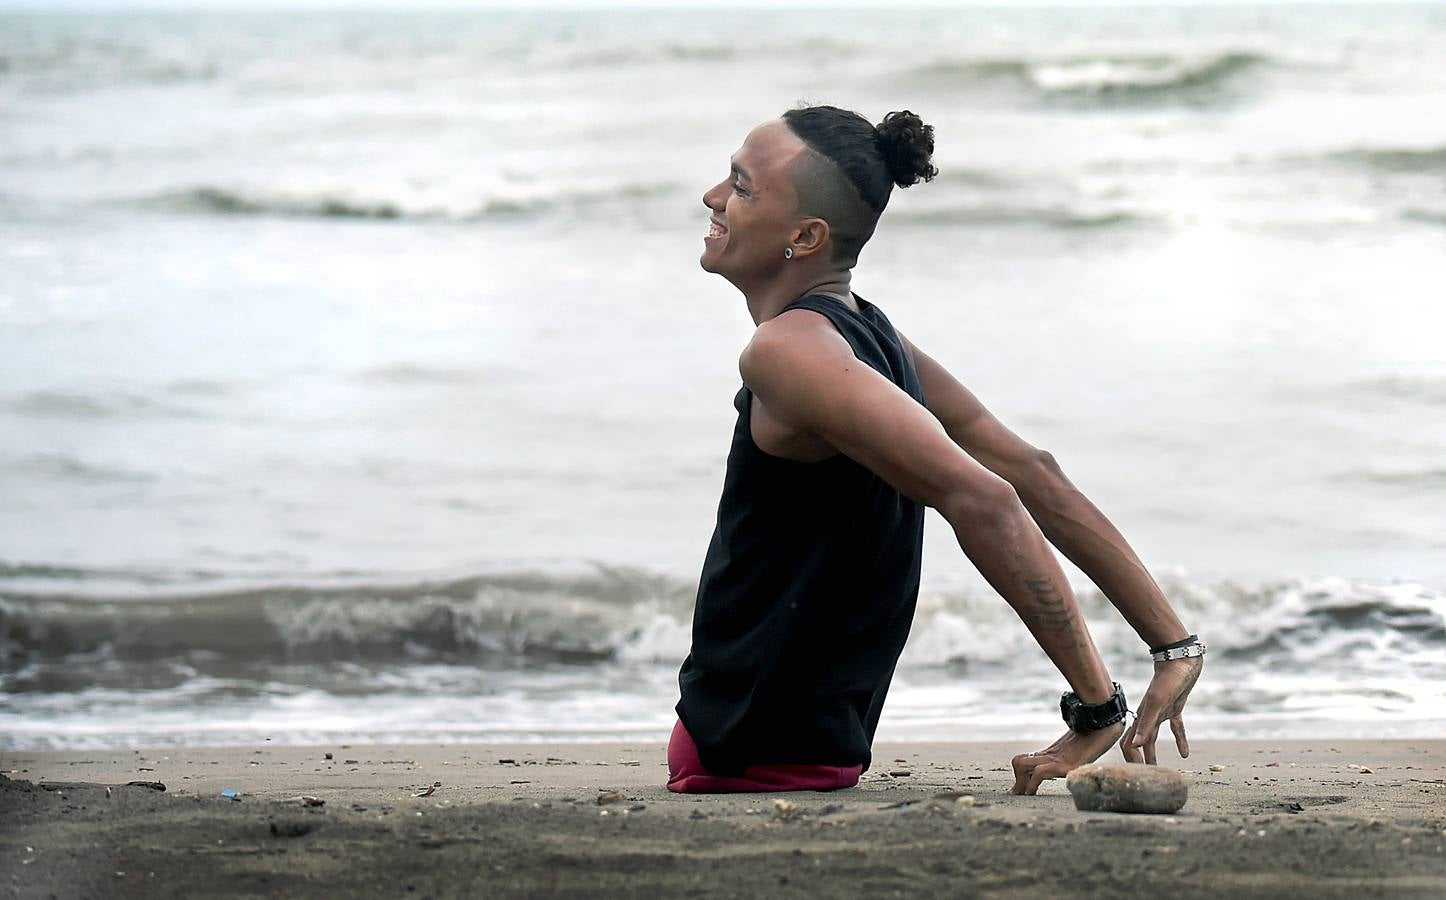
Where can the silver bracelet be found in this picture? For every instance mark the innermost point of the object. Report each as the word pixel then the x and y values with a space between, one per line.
pixel 1197 648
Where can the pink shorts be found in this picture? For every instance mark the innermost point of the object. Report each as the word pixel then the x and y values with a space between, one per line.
pixel 686 774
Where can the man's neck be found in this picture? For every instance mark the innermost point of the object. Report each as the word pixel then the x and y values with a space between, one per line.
pixel 768 301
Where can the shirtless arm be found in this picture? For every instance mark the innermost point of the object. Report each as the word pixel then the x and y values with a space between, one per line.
pixel 1082 533
pixel 805 375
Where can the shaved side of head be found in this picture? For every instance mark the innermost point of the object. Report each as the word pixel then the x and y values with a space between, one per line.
pixel 825 192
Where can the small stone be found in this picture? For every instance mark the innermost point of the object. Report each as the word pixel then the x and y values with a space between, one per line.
pixel 966 800
pixel 609 797
pixel 328 756
pixel 1217 768
pixel 1365 770
pixel 900 773
pixel 1127 788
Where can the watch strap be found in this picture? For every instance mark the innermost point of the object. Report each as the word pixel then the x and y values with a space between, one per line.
pixel 1084 718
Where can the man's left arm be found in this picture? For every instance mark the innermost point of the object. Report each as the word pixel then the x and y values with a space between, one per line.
pixel 1072 523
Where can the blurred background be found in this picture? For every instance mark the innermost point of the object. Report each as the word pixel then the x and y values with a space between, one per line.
pixel 358 380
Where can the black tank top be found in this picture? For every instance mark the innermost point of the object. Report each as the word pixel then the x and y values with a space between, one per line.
pixel 807 591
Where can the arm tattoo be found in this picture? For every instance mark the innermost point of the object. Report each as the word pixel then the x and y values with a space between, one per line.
pixel 1051 610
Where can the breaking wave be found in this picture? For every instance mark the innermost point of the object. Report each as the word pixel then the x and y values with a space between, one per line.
pixel 1425 216
pixel 1102 78
pixel 519 201
pixel 69 468
pixel 1052 217
pixel 1429 479
pixel 1417 389
pixel 111 405
pixel 523 615
pixel 1397 159
pixel 635 616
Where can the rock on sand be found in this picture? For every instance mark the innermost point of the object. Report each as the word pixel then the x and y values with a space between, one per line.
pixel 1127 787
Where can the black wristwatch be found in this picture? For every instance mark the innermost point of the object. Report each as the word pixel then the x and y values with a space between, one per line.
pixel 1083 718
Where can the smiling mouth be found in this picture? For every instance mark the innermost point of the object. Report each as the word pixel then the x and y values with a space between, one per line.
pixel 715 230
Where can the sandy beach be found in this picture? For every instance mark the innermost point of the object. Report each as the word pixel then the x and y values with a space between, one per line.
pixel 1271 819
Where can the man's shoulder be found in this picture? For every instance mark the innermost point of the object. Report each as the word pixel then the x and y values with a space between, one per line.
pixel 794 339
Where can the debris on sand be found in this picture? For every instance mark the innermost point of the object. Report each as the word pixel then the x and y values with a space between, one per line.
pixel 785 810
pixel 902 804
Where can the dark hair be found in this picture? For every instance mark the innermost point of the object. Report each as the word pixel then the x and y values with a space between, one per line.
pixel 853 161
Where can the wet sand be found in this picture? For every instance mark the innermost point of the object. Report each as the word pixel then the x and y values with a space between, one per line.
pixel 1317 819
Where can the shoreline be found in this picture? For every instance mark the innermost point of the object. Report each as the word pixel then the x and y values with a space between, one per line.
pixel 1264 818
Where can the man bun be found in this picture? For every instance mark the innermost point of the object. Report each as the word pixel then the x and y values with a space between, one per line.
pixel 907 145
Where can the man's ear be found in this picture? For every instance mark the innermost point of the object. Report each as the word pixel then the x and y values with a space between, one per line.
pixel 810 237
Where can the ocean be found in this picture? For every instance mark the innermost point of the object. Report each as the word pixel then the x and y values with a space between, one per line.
pixel 358 381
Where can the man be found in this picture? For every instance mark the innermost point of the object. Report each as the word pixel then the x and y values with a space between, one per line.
pixel 846 430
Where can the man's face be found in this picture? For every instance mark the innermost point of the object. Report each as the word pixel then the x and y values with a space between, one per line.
pixel 754 209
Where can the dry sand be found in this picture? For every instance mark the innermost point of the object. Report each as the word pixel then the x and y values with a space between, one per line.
pixel 1318 819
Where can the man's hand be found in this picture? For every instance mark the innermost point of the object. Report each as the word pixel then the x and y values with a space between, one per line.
pixel 1055 761
pixel 1165 699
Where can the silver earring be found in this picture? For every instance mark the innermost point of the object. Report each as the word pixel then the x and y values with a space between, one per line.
pixel 788 253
